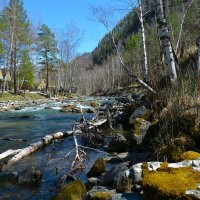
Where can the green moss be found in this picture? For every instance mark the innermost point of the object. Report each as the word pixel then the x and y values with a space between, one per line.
pixel 98 168
pixel 73 191
pixel 93 104
pixel 169 183
pixel 101 196
pixel 137 126
pixel 146 116
pixel 190 155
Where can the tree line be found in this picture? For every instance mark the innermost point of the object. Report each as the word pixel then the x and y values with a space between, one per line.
pixel 153 32
pixel 30 53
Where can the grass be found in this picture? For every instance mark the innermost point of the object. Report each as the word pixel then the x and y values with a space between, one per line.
pixel 28 96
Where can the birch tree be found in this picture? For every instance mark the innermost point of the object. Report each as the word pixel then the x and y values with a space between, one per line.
pixel 102 16
pixel 143 43
pixel 165 39
pixel 198 56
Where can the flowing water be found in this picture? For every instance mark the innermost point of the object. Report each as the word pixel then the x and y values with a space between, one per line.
pixel 32 124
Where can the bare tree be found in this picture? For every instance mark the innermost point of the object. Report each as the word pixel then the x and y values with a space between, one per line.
pixel 104 16
pixel 69 42
pixel 182 22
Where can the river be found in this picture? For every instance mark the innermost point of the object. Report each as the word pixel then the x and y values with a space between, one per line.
pixel 32 124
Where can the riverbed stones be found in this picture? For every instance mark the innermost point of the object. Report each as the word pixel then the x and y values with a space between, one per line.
pixel 98 168
pixel 30 176
pixel 101 196
pixel 91 182
pixel 90 110
pixel 75 190
pixel 127 196
pixel 141 127
pixel 140 112
pixel 96 189
pixel 117 178
pixel 118 144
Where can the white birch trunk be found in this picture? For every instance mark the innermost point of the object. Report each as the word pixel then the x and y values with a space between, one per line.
pixel 31 148
pixel 166 42
pixel 198 57
pixel 143 44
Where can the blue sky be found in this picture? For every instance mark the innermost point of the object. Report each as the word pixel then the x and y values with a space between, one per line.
pixel 57 13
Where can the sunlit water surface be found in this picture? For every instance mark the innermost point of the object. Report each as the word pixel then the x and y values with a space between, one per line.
pixel 32 124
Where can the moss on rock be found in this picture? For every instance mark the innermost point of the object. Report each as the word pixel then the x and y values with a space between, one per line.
pixel 101 196
pixel 76 190
pixel 93 104
pixel 190 155
pixel 170 183
pixel 98 168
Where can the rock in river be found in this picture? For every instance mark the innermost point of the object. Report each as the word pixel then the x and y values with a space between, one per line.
pixel 118 144
pixel 76 190
pixel 98 168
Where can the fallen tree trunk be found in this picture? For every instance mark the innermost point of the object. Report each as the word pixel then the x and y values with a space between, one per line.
pixel 9 152
pixel 32 148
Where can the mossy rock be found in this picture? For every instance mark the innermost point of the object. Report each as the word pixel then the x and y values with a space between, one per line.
pixel 98 168
pixel 141 113
pixel 141 127
pixel 101 196
pixel 190 155
pixel 76 190
pixel 170 183
pixel 93 104
pixel 68 108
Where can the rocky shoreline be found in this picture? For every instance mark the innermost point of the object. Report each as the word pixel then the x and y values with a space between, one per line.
pixel 131 170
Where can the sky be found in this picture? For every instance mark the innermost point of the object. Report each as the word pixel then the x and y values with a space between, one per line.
pixel 58 13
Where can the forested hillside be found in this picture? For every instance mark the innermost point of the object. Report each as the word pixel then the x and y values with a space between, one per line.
pixel 35 57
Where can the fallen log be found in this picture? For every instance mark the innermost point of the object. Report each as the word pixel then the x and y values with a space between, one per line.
pixel 32 148
pixel 9 152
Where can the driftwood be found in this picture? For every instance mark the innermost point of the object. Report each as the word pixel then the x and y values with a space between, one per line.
pixel 9 152
pixel 32 148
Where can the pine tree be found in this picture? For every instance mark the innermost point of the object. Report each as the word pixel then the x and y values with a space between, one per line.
pixel 47 50
pixel 26 70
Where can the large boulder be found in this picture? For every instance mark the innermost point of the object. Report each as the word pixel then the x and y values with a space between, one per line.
pixel 118 144
pixel 140 112
pixel 76 190
pixel 141 127
pixel 167 180
pixel 116 178
pixel 98 168
pixel 170 183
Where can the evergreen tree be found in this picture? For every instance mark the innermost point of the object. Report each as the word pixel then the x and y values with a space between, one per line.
pixel 26 70
pixel 47 50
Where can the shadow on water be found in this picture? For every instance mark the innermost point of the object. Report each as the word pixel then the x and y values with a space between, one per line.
pixel 51 160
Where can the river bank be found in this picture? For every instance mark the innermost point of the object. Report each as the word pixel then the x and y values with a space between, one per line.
pixel 120 131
